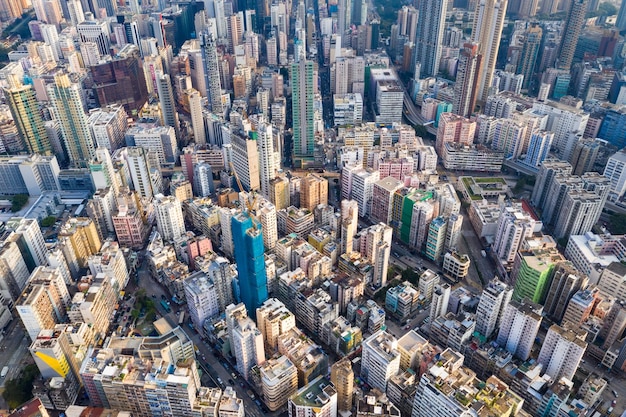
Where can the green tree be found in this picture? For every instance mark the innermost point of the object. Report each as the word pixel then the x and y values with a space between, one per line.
pixel 48 221
pixel 19 390
pixel 18 202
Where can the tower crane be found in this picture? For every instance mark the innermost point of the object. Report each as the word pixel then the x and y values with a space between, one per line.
pixel 250 204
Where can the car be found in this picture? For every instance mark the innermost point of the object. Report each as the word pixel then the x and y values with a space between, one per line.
pixel 407 327
pixel 231 382
pixel 153 295
pixel 219 380
pixel 615 394
pixel 614 403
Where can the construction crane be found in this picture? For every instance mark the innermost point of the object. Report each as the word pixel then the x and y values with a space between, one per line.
pixel 249 204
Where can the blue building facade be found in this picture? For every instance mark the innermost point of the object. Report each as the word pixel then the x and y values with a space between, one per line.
pixel 612 129
pixel 249 251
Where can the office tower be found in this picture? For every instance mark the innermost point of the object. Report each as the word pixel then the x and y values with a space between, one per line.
pixel 267 161
pixel 68 107
pixel 349 224
pixel 44 302
pixel 302 76
pixel 24 108
pixel 212 72
pixel 530 51
pixel 561 352
pixel 566 281
pixel 440 298
pixel 316 399
pixel 518 328
pixel 342 377
pixel 429 38
pixel 30 241
pixel 620 23
pixel 493 300
pixel 248 244
pixel 139 168
pixel 167 101
pixel 120 80
pixel 169 217
pixel 274 319
pixel 486 32
pixel 380 359
pixel 313 191
pixel 279 381
pixel 573 27
pixel 467 80
pixel 269 223
pixel 96 31
pixel 375 242
pixel 514 226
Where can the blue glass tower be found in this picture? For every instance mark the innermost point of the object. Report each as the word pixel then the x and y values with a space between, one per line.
pixel 248 245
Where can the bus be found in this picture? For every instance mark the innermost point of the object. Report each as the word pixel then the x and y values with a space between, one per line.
pixel 165 306
pixel 181 318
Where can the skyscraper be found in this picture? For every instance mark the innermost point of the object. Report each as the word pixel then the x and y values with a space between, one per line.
pixel 169 216
pixel 265 146
pixel 67 103
pixel 342 377
pixel 249 250
pixel 468 74
pixel 211 72
pixel 302 77
pixel 487 31
pixel 139 168
pixel 429 37
pixel 571 33
pixel 167 101
pixel 519 327
pixel 25 111
pixel 621 17
pixel 526 65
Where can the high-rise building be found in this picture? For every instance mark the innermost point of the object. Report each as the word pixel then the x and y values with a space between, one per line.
pixel 313 191
pixel 620 23
pixel 571 33
pixel 519 327
pixel 169 217
pixel 302 76
pixel 96 31
pixel 468 76
pixel 566 280
pixel 342 377
pixel 267 160
pixel 67 102
pixel 531 273
pixel 615 171
pixel 349 224
pixel 514 226
pixel 82 236
pixel 14 273
pixel 486 32
pixel 274 319
pixel 167 101
pixel 380 359
pixel 584 155
pixel 249 250
pixel 435 241
pixel 429 38
pixel 440 299
pixel 316 399
pixel 211 71
pixel 269 223
pixel 494 298
pixel 245 157
pixel 30 241
pixel 455 129
pixel 139 167
pixel 561 352
pixel 108 125
pixel 202 299
pixel 24 108
pixel 547 171
pixel 246 339
pixel 375 242
pixel 530 52
pixel 279 380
